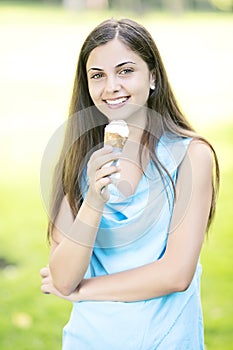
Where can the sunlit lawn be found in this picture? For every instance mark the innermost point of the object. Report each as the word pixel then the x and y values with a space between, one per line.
pixel 38 52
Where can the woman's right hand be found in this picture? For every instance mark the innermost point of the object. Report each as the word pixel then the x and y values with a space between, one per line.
pixel 99 176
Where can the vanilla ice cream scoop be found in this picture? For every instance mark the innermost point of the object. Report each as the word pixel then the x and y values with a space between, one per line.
pixel 116 134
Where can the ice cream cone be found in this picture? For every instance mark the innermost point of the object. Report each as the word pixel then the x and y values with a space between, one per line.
pixel 116 134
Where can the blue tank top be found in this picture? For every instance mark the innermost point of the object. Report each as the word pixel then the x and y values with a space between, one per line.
pixel 133 232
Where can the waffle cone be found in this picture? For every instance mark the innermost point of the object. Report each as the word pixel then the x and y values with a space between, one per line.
pixel 115 140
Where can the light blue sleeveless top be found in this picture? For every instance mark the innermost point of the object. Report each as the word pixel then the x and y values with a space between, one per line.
pixel 133 232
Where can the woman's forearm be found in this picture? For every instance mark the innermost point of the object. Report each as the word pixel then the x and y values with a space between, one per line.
pixel 70 260
pixel 141 283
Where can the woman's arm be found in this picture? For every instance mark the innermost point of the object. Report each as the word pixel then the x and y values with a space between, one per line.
pixel 175 270
pixel 73 240
pixel 72 244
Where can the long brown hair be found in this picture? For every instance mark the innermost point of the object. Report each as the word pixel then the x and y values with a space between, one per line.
pixel 85 126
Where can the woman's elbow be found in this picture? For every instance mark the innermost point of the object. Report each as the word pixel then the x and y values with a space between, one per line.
pixel 64 289
pixel 179 280
pixel 62 283
pixel 181 285
pixel 183 278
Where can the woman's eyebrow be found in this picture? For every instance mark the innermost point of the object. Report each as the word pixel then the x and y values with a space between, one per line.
pixel 123 63
pixel 117 66
pixel 94 68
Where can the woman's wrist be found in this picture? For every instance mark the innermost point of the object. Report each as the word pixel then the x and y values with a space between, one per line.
pixel 95 202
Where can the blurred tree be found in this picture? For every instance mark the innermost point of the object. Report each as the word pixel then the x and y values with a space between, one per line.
pixel 202 5
pixel 144 5
pixel 74 4
pixel 181 5
pixel 192 4
pixel 225 5
pixel 96 4
pixel 136 5
pixel 85 4
pixel 175 5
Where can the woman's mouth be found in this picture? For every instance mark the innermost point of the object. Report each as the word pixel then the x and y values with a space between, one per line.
pixel 116 102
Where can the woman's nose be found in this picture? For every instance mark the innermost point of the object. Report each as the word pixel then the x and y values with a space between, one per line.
pixel 112 84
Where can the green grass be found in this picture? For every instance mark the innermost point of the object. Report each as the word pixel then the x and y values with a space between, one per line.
pixel 38 49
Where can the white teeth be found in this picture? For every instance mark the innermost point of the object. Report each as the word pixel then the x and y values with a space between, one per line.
pixel 117 101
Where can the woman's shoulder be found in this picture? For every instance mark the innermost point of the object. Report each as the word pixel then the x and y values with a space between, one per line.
pixel 200 153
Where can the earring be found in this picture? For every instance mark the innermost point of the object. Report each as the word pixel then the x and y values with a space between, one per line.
pixel 152 87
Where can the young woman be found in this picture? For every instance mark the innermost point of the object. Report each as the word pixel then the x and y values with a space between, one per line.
pixel 126 252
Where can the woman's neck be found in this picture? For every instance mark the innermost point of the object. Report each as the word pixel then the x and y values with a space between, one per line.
pixel 137 124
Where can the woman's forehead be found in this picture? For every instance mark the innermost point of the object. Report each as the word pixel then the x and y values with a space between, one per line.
pixel 113 52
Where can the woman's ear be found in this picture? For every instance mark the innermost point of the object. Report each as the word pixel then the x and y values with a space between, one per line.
pixel 152 80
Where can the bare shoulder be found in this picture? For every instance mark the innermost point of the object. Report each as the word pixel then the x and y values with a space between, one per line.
pixel 197 165
pixel 199 148
pixel 200 154
pixel 196 170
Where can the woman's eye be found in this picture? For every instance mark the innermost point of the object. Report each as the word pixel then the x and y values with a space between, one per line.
pixel 126 71
pixel 96 76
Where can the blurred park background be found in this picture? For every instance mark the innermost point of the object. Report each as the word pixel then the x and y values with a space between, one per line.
pixel 39 46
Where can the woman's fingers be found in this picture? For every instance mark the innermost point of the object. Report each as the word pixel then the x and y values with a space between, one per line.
pixel 44 272
pixel 46 280
pixel 46 289
pixel 47 286
pixel 106 150
pixel 101 157
pixel 106 171
pixel 101 185
pixel 46 283
pixel 99 169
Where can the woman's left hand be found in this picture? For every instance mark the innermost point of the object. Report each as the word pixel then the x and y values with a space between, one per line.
pixel 47 286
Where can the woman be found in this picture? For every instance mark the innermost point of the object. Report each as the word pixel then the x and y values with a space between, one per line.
pixel 127 252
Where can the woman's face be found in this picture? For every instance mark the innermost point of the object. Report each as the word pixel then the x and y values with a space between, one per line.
pixel 119 80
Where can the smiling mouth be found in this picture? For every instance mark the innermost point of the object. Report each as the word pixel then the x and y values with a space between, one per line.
pixel 117 101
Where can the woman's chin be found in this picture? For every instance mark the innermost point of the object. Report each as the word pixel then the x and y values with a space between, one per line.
pixel 125 111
